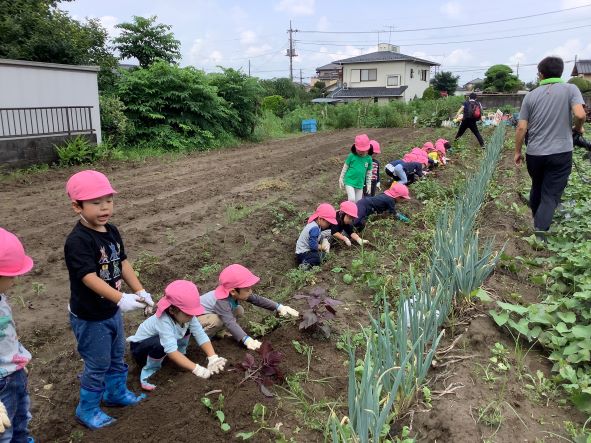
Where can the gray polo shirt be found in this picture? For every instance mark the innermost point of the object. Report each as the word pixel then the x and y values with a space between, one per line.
pixel 548 111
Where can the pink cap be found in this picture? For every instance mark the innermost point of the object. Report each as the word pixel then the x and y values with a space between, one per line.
pixel 427 147
pixel 398 190
pixel 349 208
pixel 362 142
pixel 87 185
pixel 234 277
pixel 184 295
pixel 376 146
pixel 13 260
pixel 325 211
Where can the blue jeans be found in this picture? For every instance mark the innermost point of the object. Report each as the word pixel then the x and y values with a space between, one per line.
pixel 101 344
pixel 15 396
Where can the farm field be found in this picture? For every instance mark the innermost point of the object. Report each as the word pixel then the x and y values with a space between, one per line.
pixel 189 216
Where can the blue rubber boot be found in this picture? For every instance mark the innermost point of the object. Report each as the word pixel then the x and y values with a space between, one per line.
pixel 153 365
pixel 116 392
pixel 89 413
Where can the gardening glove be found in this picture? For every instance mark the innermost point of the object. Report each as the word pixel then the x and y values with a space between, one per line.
pixel 215 364
pixel 347 241
pixel 129 302
pixel 342 177
pixel 146 296
pixel 379 186
pixel 361 241
pixel 201 372
pixel 286 311
pixel 4 420
pixel 251 343
pixel 324 246
pixel 402 217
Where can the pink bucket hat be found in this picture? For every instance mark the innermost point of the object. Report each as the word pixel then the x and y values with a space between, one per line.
pixel 234 277
pixel 325 211
pixel 13 260
pixel 87 185
pixel 349 208
pixel 184 295
pixel 362 142
pixel 428 147
pixel 376 146
pixel 398 190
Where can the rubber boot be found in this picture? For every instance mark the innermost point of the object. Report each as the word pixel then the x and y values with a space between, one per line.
pixel 116 392
pixel 183 344
pixel 153 365
pixel 89 413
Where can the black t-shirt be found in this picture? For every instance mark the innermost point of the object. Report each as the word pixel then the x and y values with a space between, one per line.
pixel 375 205
pixel 341 226
pixel 87 251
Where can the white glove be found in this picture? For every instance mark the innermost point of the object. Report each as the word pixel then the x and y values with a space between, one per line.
pixel 361 241
pixel 4 420
pixel 342 177
pixel 129 302
pixel 252 344
pixel 379 186
pixel 215 364
pixel 201 372
pixel 347 241
pixel 286 311
pixel 324 245
pixel 146 296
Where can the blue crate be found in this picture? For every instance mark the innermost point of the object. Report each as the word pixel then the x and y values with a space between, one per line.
pixel 309 125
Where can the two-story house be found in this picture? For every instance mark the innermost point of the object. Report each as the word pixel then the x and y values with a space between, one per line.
pixel 582 69
pixel 383 76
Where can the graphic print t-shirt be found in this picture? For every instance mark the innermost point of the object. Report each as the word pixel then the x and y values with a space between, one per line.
pixel 13 355
pixel 87 251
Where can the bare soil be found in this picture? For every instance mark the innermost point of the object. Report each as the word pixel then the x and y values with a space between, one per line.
pixel 186 217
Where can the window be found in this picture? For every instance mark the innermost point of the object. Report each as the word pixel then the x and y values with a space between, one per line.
pixel 423 74
pixel 369 75
pixel 375 100
pixel 393 80
pixel 412 72
pixel 355 76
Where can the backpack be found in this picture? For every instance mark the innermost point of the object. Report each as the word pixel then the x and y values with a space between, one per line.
pixel 473 110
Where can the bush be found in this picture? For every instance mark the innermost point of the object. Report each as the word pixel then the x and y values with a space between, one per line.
pixel 268 126
pixel 581 83
pixel 79 150
pixel 430 94
pixel 276 104
pixel 114 122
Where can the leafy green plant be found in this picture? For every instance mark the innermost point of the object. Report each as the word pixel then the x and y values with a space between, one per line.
pixel 500 358
pixel 38 288
pixel 217 410
pixel 75 151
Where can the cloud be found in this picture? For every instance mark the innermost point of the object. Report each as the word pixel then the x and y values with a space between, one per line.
pixel 297 7
pixel 253 51
pixel 215 57
pixel 109 22
pixel 518 57
pixel 452 9
pixel 195 52
pixel 248 37
pixel 570 48
pixel 322 24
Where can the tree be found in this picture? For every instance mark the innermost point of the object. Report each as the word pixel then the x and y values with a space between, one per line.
pixel 445 81
pixel 430 94
pixel 530 86
pixel 147 41
pixel 318 90
pixel 581 83
pixel 276 104
pixel 500 78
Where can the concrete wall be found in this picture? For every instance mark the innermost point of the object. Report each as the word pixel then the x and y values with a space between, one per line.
pixel 26 84
pixel 23 152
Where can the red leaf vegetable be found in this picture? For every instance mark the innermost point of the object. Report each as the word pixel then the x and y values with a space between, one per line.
pixel 321 308
pixel 264 371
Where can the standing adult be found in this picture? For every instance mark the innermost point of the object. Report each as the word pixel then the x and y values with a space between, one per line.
pixel 547 116
pixel 472 115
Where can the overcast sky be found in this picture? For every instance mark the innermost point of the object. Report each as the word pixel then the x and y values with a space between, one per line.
pixel 232 32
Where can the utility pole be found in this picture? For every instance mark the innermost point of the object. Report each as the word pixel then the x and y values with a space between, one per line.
pixel 291 51
pixel 249 67
pixel 517 68
pixel 301 78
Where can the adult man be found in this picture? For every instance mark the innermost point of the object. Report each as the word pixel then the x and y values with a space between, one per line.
pixel 472 114
pixel 546 114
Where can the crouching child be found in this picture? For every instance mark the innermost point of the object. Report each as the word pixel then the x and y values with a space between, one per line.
pixel 385 202
pixel 312 243
pixel 343 230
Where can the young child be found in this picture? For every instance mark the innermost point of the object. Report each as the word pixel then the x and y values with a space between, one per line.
pixel 167 333
pixel 404 173
pixel 343 229
pixel 310 245
pixel 222 305
pixel 357 169
pixel 441 147
pixel 385 202
pixel 97 265
pixel 14 397
pixel 375 169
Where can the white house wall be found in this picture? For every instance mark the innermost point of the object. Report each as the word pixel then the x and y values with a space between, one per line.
pixel 416 86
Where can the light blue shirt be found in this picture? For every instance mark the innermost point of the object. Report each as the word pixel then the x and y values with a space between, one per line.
pixel 169 331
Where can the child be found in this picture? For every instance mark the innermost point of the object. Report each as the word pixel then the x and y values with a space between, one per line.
pixel 441 147
pixel 357 169
pixel 97 265
pixel 404 173
pixel 385 202
pixel 222 305
pixel 310 245
pixel 375 169
pixel 14 397
pixel 166 334
pixel 345 218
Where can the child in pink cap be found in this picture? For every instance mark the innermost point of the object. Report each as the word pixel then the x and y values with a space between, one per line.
pixel 343 229
pixel 222 305
pixel 357 169
pixel 312 242
pixel 375 169
pixel 97 264
pixel 167 333
pixel 385 202
pixel 14 397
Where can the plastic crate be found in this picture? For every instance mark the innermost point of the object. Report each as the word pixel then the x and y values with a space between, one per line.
pixel 309 125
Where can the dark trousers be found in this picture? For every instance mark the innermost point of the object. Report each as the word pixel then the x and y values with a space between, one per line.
pixel 15 396
pixel 470 123
pixel 549 176
pixel 312 258
pixel 149 347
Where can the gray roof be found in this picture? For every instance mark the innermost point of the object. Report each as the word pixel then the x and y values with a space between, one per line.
pixel 384 56
pixel 582 67
pixel 330 67
pixel 326 100
pixel 368 92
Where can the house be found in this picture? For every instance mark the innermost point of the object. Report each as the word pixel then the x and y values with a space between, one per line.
pixel 329 74
pixel 582 69
pixel 383 76
pixel 472 85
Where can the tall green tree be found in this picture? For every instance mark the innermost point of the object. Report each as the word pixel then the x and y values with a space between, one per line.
pixel 147 41
pixel 500 78
pixel 445 81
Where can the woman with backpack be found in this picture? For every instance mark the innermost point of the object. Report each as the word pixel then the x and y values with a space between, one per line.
pixel 472 115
